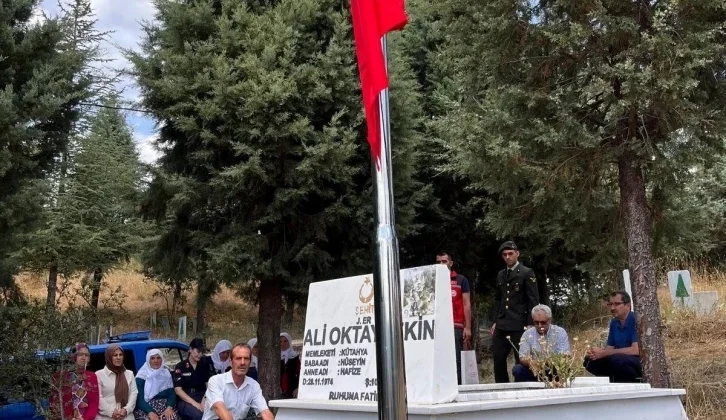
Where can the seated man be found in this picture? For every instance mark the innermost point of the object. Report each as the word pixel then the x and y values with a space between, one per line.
pixel 552 337
pixel 620 360
pixel 231 395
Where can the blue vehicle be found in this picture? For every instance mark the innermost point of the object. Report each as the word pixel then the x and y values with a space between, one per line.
pixel 134 344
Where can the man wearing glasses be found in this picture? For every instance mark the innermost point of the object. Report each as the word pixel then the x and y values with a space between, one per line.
pixel 620 359
pixel 544 338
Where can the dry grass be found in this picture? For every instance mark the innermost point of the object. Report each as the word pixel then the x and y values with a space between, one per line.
pixel 695 347
pixel 694 344
pixel 228 316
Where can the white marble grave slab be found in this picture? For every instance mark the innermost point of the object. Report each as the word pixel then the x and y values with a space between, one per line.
pixel 633 401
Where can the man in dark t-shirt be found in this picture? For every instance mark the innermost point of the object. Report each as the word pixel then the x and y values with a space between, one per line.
pixel 461 303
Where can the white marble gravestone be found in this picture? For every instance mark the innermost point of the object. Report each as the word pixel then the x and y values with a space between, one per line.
pixel 339 349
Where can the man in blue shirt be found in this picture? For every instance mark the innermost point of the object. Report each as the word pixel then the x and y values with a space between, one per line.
pixel 620 360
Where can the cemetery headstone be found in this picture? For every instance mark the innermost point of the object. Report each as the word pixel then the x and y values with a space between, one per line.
pixel 153 319
pixel 165 324
pixel 626 284
pixel 704 302
pixel 679 283
pixel 182 335
pixel 339 351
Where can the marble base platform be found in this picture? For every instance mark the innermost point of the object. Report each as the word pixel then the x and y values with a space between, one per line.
pixel 513 401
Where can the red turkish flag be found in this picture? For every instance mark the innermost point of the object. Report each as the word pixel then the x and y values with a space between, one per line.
pixel 371 20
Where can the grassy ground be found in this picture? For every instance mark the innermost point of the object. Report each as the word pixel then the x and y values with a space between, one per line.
pixel 694 344
pixel 228 316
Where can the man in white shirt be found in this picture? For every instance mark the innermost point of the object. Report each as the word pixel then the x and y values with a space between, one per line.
pixel 232 394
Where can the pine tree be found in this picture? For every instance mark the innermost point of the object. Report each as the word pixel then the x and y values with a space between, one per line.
pixel 99 207
pixel 37 92
pixel 571 114
pixel 91 225
pixel 264 144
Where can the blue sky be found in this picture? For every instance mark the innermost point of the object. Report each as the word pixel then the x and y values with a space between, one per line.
pixel 123 18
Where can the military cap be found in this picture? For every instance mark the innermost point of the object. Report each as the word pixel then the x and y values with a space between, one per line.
pixel 508 245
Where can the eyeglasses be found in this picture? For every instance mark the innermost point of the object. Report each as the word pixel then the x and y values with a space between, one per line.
pixel 541 322
pixel 615 304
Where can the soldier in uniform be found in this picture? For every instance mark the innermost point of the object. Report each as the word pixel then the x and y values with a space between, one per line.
pixel 514 297
pixel 190 381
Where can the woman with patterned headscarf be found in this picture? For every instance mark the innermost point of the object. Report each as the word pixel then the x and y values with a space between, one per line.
pixel 289 367
pixel 74 395
pixel 117 387
pixel 156 399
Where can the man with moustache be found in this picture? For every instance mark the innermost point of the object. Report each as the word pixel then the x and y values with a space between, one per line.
pixel 230 395
pixel 620 359
pixel 543 338
pixel 515 296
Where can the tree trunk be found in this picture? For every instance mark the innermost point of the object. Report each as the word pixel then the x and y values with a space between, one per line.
pixel 290 310
pixel 96 287
pixel 268 336
pixel 638 225
pixel 52 286
pixel 202 299
pixel 176 299
pixel 474 312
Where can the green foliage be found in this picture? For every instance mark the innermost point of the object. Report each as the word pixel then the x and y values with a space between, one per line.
pixel 263 134
pixel 543 97
pixel 47 73
pixel 90 222
pixel 264 179
pixel 35 89
pixel 36 341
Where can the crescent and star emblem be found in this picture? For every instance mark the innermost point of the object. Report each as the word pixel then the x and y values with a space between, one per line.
pixel 365 293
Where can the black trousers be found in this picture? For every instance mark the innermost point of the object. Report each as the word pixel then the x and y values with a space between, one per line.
pixel 186 411
pixel 501 347
pixel 620 368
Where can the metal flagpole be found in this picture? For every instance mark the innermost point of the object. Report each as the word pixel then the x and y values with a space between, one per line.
pixel 390 364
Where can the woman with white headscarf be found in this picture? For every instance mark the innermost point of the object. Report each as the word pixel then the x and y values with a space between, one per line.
pixel 252 371
pixel 289 367
pixel 156 399
pixel 220 356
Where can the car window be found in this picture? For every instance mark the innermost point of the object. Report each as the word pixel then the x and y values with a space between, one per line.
pixel 98 361
pixel 172 356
